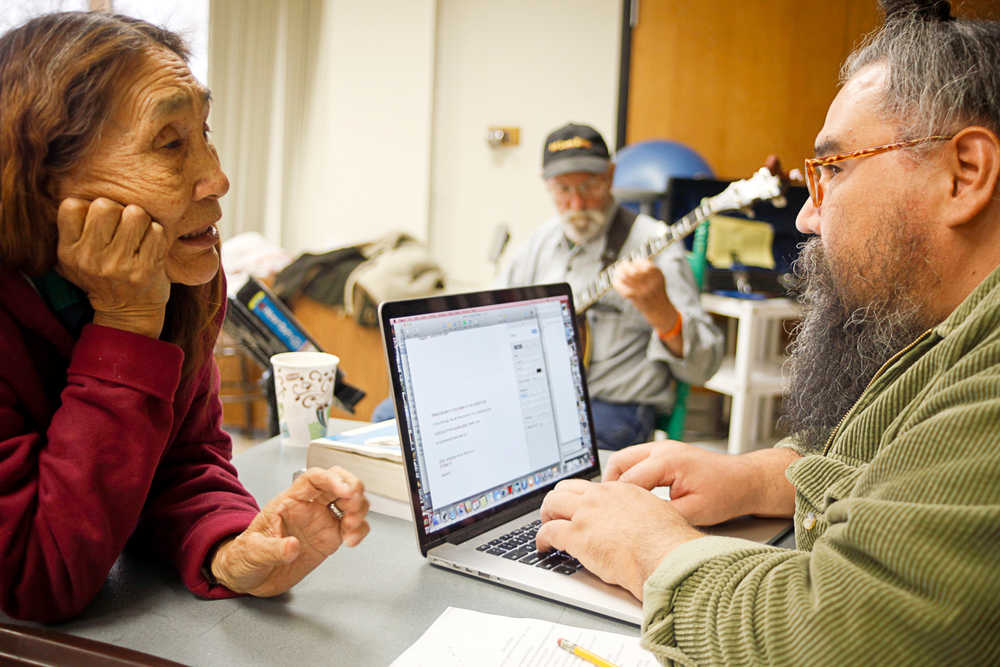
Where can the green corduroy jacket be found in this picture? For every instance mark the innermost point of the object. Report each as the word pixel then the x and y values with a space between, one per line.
pixel 897 528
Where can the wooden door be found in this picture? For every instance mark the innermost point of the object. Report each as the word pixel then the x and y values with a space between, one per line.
pixel 737 80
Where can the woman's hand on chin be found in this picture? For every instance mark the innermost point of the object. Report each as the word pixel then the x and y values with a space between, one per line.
pixel 116 254
pixel 294 533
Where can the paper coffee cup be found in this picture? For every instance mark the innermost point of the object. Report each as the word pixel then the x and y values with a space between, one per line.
pixel 303 385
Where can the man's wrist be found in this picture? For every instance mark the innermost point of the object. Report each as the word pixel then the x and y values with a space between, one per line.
pixel 648 565
pixel 673 332
pixel 774 495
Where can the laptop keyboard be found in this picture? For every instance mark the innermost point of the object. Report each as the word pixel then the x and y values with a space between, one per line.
pixel 519 545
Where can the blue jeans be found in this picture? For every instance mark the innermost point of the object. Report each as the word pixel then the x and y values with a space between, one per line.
pixel 617 425
pixel 383 411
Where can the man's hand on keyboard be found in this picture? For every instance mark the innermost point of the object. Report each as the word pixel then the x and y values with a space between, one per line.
pixel 618 531
pixel 707 487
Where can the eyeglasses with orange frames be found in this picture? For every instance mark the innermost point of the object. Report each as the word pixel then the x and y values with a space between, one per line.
pixel 813 164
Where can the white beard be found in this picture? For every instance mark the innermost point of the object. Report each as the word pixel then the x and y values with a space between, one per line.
pixel 583 226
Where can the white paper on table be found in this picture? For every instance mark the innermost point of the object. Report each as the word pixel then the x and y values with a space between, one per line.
pixel 462 637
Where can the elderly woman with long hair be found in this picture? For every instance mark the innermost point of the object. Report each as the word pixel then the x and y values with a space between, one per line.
pixel 110 301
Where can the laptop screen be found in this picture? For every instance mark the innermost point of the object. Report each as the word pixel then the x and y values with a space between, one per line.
pixel 493 402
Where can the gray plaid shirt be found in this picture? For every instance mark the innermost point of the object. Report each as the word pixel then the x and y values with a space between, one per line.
pixel 630 364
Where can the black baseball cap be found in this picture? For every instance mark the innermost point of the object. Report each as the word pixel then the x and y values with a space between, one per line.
pixel 573 148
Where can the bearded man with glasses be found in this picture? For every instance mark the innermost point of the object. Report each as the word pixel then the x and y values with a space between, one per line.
pixel 647 333
pixel 892 475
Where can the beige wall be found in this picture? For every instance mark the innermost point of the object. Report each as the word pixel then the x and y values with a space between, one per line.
pixel 360 167
pixel 533 64
pixel 322 116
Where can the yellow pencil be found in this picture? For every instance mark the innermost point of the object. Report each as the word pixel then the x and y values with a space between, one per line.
pixel 583 653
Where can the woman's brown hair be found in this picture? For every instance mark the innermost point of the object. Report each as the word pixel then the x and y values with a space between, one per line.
pixel 58 79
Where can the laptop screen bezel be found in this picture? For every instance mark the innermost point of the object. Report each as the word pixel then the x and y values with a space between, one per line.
pixel 390 310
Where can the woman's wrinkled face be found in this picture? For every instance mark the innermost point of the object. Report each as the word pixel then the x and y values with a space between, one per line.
pixel 154 152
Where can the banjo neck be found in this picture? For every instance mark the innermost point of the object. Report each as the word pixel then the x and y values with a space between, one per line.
pixel 763 185
pixel 651 248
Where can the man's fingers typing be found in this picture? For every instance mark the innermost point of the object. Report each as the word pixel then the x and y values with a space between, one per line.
pixel 573 485
pixel 649 472
pixel 624 459
pixel 562 501
pixel 552 535
pixel 558 505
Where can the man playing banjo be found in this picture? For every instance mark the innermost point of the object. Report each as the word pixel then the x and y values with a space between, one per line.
pixel 651 330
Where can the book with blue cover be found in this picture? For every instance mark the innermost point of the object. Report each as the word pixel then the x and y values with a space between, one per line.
pixel 380 440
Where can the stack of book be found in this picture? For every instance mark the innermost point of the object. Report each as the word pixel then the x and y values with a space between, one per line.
pixel 372 454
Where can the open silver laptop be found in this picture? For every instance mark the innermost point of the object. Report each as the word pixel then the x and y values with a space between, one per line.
pixel 492 409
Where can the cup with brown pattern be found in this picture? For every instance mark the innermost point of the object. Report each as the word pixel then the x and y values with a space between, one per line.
pixel 303 384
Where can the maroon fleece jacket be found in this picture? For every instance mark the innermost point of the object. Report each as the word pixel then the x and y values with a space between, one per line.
pixel 99 443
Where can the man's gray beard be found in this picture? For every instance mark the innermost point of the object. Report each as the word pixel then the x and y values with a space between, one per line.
pixel 583 226
pixel 839 346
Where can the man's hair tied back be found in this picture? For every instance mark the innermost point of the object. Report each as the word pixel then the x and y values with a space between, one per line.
pixel 927 10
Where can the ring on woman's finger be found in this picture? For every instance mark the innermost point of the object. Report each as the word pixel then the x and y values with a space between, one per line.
pixel 337 512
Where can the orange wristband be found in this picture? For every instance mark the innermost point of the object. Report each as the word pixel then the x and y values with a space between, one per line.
pixel 674 332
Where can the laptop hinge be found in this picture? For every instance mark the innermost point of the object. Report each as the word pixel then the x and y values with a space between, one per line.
pixel 500 518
